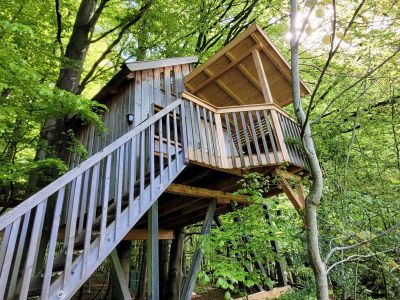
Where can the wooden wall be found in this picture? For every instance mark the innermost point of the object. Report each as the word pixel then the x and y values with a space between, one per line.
pixel 157 86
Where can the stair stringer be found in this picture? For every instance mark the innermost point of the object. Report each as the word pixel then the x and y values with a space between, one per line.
pixel 77 278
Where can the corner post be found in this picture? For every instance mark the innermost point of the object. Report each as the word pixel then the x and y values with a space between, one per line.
pixel 269 99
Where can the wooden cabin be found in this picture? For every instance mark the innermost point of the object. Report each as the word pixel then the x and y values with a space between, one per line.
pixel 179 138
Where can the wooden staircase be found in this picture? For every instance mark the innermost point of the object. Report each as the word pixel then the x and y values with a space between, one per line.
pixel 54 241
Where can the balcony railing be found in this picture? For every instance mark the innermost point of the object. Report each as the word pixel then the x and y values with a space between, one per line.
pixel 243 136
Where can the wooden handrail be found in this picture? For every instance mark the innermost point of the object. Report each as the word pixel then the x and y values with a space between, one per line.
pixel 236 108
pixel 59 183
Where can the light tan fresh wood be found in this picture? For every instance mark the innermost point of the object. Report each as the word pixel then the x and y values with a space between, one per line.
pixel 143 234
pixel 142 65
pixel 275 293
pixel 222 197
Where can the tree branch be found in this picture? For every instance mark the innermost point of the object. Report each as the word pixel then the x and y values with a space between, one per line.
pixel 134 20
pixel 349 247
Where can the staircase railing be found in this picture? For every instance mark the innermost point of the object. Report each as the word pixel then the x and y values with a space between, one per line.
pixel 100 199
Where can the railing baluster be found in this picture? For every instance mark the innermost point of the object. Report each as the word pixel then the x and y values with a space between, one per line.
pixel 176 140
pixel 71 236
pixel 213 137
pixel 9 256
pixel 184 135
pixel 208 137
pixel 104 208
pixel 195 136
pixel 262 133
pixel 120 168
pixel 18 258
pixel 152 167
pixel 132 178
pixel 89 222
pixel 239 142
pixel 4 244
pixel 33 248
pixel 230 140
pixel 247 139
pixel 83 202
pixel 271 136
pixel 161 146
pixel 52 244
pixel 142 168
pixel 202 147
pixel 255 140
pixel 168 126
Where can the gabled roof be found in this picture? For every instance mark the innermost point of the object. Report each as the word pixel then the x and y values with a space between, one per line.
pixel 127 68
pixel 230 76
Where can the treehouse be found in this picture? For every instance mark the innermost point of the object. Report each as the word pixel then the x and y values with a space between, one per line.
pixel 179 139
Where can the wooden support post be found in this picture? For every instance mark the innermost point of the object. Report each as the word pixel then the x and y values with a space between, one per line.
pixel 152 254
pixel 279 266
pixel 190 280
pixel 269 99
pixel 124 255
pixel 121 288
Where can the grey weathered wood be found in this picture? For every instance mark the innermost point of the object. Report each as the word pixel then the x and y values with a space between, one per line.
pixel 262 133
pixel 230 140
pixel 72 229
pixel 199 128
pixel 151 158
pixel 46 192
pixel 142 168
pixel 152 254
pixel 120 168
pixel 247 138
pixel 161 143
pixel 4 244
pixel 33 248
pixel 176 139
pixel 104 208
pixel 239 142
pixel 168 127
pixel 118 274
pixel 18 257
pixel 208 137
pixel 52 244
pixel 9 256
pixel 190 280
pixel 91 212
pixel 255 140
pixel 271 135
pixel 167 84
pixel 138 97
pixel 83 202
pixel 184 132
pixel 142 65
pixel 132 178
pixel 196 134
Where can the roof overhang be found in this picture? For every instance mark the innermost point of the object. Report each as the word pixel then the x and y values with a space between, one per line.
pixel 230 77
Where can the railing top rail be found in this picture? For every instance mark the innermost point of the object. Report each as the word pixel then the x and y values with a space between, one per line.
pixel 56 185
pixel 237 108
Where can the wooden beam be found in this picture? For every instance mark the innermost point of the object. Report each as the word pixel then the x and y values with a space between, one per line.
pixel 143 234
pixel 246 73
pixel 121 287
pixel 190 191
pixel 190 280
pixel 223 70
pixel 262 77
pixel 153 286
pixel 295 196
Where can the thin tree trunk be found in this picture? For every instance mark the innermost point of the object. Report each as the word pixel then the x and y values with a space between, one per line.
pixel 314 196
pixel 175 274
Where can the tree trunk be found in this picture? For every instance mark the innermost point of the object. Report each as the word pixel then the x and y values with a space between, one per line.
pixel 314 196
pixel 68 79
pixel 175 274
pixel 164 251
